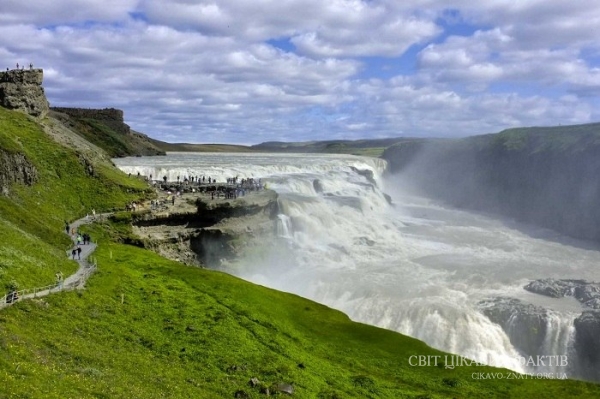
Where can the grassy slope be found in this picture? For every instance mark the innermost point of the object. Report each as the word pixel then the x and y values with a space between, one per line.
pixel 147 327
pixel 32 218
pixel 115 144
pixel 569 139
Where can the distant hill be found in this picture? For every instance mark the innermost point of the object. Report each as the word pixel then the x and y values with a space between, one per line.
pixel 188 147
pixel 366 147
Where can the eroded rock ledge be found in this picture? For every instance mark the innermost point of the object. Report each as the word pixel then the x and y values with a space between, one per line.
pixel 15 168
pixel 202 231
pixel 585 292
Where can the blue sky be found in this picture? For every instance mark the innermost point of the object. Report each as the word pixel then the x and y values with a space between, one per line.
pixel 241 71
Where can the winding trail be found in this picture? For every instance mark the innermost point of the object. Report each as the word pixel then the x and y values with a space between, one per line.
pixel 76 280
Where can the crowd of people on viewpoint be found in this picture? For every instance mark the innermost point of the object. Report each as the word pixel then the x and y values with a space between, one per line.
pixel 232 188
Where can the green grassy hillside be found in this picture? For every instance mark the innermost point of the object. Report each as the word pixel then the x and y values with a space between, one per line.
pixel 147 327
pixel 32 218
pixel 115 143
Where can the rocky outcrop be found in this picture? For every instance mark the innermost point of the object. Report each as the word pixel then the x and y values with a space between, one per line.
pixel 525 324
pixel 199 230
pixel 15 168
pixel 585 292
pixel 587 344
pixel 367 174
pixel 110 117
pixel 22 90
pixel 318 186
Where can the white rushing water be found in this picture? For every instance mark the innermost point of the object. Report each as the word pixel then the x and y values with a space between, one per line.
pixel 415 267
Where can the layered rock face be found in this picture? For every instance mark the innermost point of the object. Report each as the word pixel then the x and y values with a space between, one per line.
pixel 199 230
pixel 525 324
pixel 110 117
pixel 22 90
pixel 15 168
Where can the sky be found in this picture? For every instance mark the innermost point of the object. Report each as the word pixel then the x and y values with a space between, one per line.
pixel 250 71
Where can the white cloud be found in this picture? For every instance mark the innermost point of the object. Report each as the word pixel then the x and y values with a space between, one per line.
pixel 57 12
pixel 193 70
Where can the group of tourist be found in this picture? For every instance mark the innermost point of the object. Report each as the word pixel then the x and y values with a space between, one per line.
pixel 21 67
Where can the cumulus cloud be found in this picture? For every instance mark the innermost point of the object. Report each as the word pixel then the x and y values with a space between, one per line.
pixel 57 12
pixel 250 71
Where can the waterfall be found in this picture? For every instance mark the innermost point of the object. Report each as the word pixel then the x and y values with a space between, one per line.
pixel 415 267
pixel 284 226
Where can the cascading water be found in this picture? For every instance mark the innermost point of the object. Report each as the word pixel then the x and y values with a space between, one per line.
pixel 284 226
pixel 414 267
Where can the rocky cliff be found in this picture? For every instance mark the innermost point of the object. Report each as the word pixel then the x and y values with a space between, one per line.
pixel 106 129
pixel 110 117
pixel 15 168
pixel 542 176
pixel 202 230
pixel 22 90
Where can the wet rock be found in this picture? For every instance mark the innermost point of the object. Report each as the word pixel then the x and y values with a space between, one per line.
pixel 587 343
pixel 525 324
pixel 552 288
pixel 587 293
pixel 365 241
pixel 368 174
pixel 388 198
pixel 318 186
